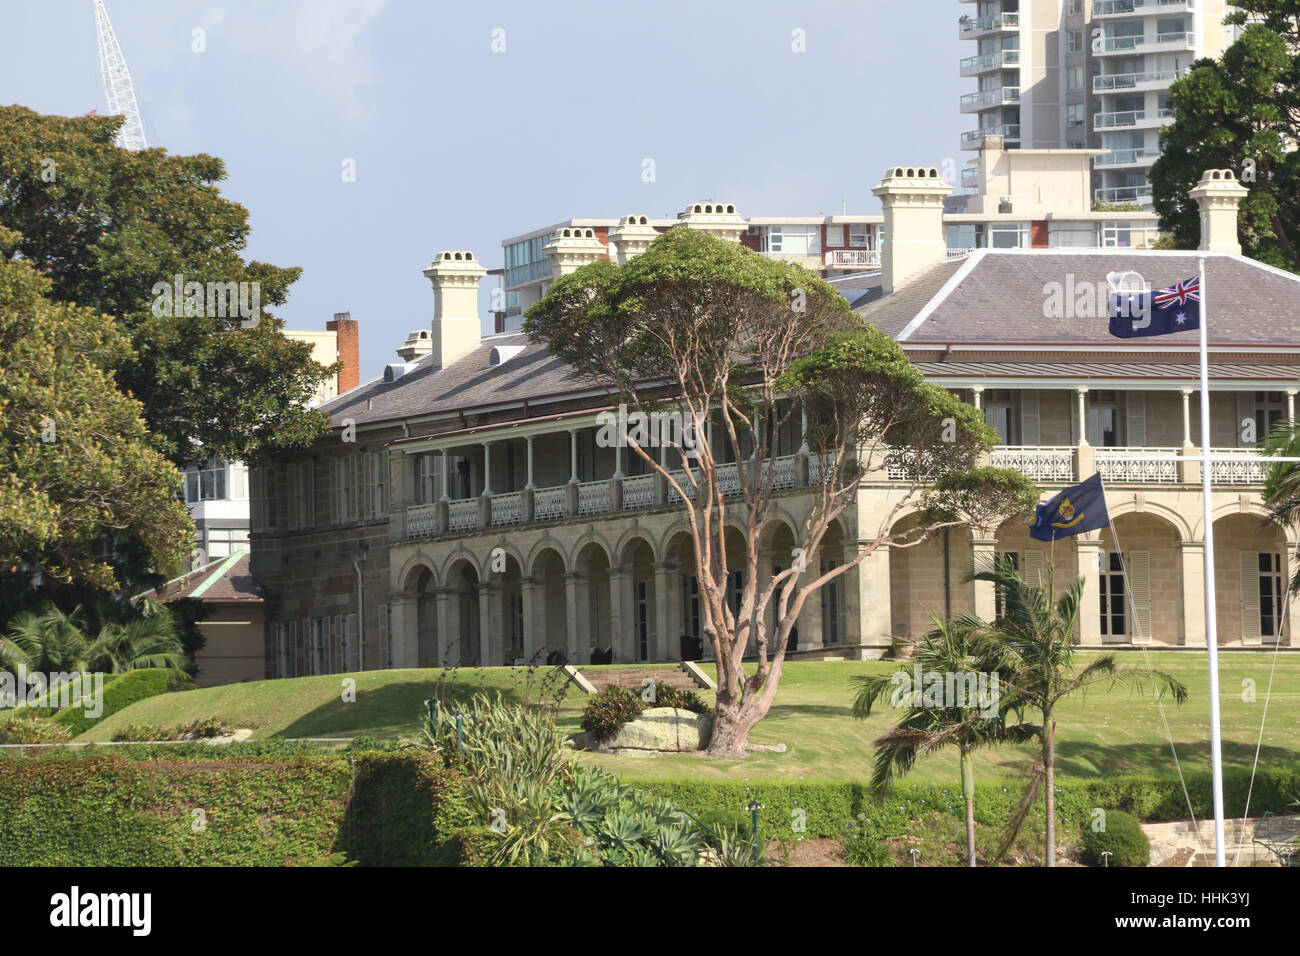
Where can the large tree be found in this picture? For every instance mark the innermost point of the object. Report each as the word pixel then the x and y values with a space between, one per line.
pixel 1240 113
pixel 105 225
pixel 81 486
pixel 739 345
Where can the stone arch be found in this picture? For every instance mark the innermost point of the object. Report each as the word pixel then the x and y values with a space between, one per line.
pixel 459 554
pixel 1234 507
pixel 588 539
pixel 928 578
pixel 1147 584
pixel 538 552
pixel 1170 515
pixel 1256 610
pixel 415 563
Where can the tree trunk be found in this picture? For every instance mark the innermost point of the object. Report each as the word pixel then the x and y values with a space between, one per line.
pixel 731 727
pixel 968 791
pixel 1049 781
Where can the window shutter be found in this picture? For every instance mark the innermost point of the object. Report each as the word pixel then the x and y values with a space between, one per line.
pixel 1138 566
pixel 295 648
pixel 382 622
pixel 1136 408
pixel 352 656
pixel 1029 418
pixel 1034 569
pixel 1250 597
pixel 1245 410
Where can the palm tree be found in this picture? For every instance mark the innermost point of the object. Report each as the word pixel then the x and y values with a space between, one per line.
pixel 1036 641
pixel 51 640
pixel 957 647
pixel 1282 483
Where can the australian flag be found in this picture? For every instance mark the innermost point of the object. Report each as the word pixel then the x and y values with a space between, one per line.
pixel 1073 511
pixel 1176 309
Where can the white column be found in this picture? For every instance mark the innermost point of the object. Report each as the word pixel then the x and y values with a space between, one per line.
pixel 668 618
pixel 622 616
pixel 1089 558
pixel 530 486
pixel 1193 558
pixel 618 457
pixel 1187 414
pixel 487 468
pixel 534 621
pixel 445 466
pixel 572 582
pixel 573 456
pixel 803 431
pixel 977 396
pixel 1290 403
pixel 1083 415
pixel 984 553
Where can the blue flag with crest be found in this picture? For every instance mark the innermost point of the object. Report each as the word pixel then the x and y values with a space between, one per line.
pixel 1072 511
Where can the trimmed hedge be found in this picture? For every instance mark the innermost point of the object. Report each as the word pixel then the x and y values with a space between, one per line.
pixel 121 692
pixel 115 809
pixel 829 808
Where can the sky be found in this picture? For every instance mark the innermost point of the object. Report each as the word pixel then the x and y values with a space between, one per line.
pixel 470 122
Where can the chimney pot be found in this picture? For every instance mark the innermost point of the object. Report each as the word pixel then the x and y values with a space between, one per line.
pixel 1219 196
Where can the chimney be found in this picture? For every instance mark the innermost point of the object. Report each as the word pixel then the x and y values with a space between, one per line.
pixel 1218 194
pixel 631 237
pixel 718 219
pixel 349 350
pixel 456 328
pixel 417 343
pixel 912 197
pixel 573 247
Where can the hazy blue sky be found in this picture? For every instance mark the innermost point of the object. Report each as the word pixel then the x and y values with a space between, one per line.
pixel 457 146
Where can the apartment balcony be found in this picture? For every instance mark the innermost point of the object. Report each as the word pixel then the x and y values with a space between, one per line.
pixel 852 259
pixel 971 28
pixel 1132 119
pixel 1127 158
pixel 809 260
pixel 1124 194
pixel 1134 82
pixel 1127 8
pixel 975 139
pixel 1159 43
pixel 989 62
pixel 987 99
pixel 970 177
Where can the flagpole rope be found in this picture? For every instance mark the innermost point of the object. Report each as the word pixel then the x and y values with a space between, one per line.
pixel 1250 789
pixel 1146 653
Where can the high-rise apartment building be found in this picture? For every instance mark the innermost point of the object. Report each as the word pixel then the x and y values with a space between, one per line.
pixel 1085 74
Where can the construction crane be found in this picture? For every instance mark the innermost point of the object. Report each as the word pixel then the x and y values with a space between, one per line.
pixel 117 83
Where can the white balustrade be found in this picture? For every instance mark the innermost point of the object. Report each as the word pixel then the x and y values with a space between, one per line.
pixel 462 514
pixel 784 473
pixel 593 497
pixel 1244 467
pixel 507 508
pixel 421 520
pixel 1135 464
pixel 550 503
pixel 1040 462
pixel 638 492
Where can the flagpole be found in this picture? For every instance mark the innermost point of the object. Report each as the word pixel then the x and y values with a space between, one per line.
pixel 1211 610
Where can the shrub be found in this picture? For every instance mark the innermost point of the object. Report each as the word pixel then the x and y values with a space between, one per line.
pixel 668 696
pixel 1122 837
pixel 120 693
pixel 202 729
pixel 27 726
pixel 607 712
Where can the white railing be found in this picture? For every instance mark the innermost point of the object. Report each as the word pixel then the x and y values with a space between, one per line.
pixel 1135 464
pixel 681 479
pixel 1040 462
pixel 550 503
pixel 1006 131
pixel 995 97
pixel 990 61
pixel 638 492
pixel 1246 467
pixel 507 508
pixel 819 469
pixel 462 514
pixel 1109 8
pixel 1127 81
pixel 1129 118
pixel 1122 157
pixel 1002 21
pixel 784 473
pixel 960 253
pixel 1123 194
pixel 421 520
pixel 728 478
pixel 1112 44
pixel 593 497
pixel 863 258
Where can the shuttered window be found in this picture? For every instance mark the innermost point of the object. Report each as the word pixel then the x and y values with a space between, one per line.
pixel 1139 582
pixel 1135 406
pixel 382 624
pixel 1250 604
pixel 1030 430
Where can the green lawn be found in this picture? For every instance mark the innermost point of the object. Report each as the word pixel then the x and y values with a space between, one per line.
pixel 1108 732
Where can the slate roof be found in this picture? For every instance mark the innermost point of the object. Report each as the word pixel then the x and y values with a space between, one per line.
pixel 997 297
pixel 223 581
pixel 1114 370
pixel 469 382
